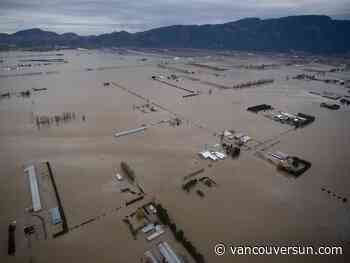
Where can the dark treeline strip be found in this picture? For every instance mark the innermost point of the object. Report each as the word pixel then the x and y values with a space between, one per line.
pixel 178 234
pixel 65 228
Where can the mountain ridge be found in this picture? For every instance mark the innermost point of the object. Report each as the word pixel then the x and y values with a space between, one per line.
pixel 309 33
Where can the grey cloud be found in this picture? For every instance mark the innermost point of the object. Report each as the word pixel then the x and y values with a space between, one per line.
pixel 98 16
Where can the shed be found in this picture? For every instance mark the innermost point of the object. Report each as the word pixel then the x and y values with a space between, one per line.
pixel 148 228
pixel 55 216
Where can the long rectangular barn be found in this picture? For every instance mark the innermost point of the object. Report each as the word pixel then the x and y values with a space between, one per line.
pixel 34 189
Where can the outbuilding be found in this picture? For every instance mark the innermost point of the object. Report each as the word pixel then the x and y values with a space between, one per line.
pixel 55 216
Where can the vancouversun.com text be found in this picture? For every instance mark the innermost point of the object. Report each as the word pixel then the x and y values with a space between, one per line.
pixel 221 249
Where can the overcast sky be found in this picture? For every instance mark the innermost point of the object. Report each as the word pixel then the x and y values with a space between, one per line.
pixel 100 16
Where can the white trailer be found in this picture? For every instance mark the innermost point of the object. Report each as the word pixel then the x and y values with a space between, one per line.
pixel 159 231
pixel 132 131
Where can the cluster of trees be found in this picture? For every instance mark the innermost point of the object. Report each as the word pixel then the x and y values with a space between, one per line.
pixel 46 119
pixel 294 166
pixel 194 173
pixel 231 150
pixel 345 101
pixel 262 66
pixel 261 107
pixel 134 200
pixel 252 83
pixel 128 171
pixel 305 76
pixel 25 94
pixel 207 181
pixel 309 119
pixel 190 184
pixel 11 239
pixel 132 230
pixel 178 234
pixel 207 66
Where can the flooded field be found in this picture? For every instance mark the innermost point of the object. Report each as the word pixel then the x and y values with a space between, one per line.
pixel 66 107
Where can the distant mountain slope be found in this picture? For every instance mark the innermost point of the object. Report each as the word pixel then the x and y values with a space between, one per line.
pixel 311 33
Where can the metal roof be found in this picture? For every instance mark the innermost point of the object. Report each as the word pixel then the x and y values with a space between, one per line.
pixel 55 216
pixel 34 189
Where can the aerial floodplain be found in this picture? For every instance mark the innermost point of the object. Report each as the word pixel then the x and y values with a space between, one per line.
pixel 158 155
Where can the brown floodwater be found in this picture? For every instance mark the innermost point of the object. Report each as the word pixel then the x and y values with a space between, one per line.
pixel 252 204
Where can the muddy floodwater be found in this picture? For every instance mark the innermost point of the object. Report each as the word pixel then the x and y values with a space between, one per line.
pixel 64 107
